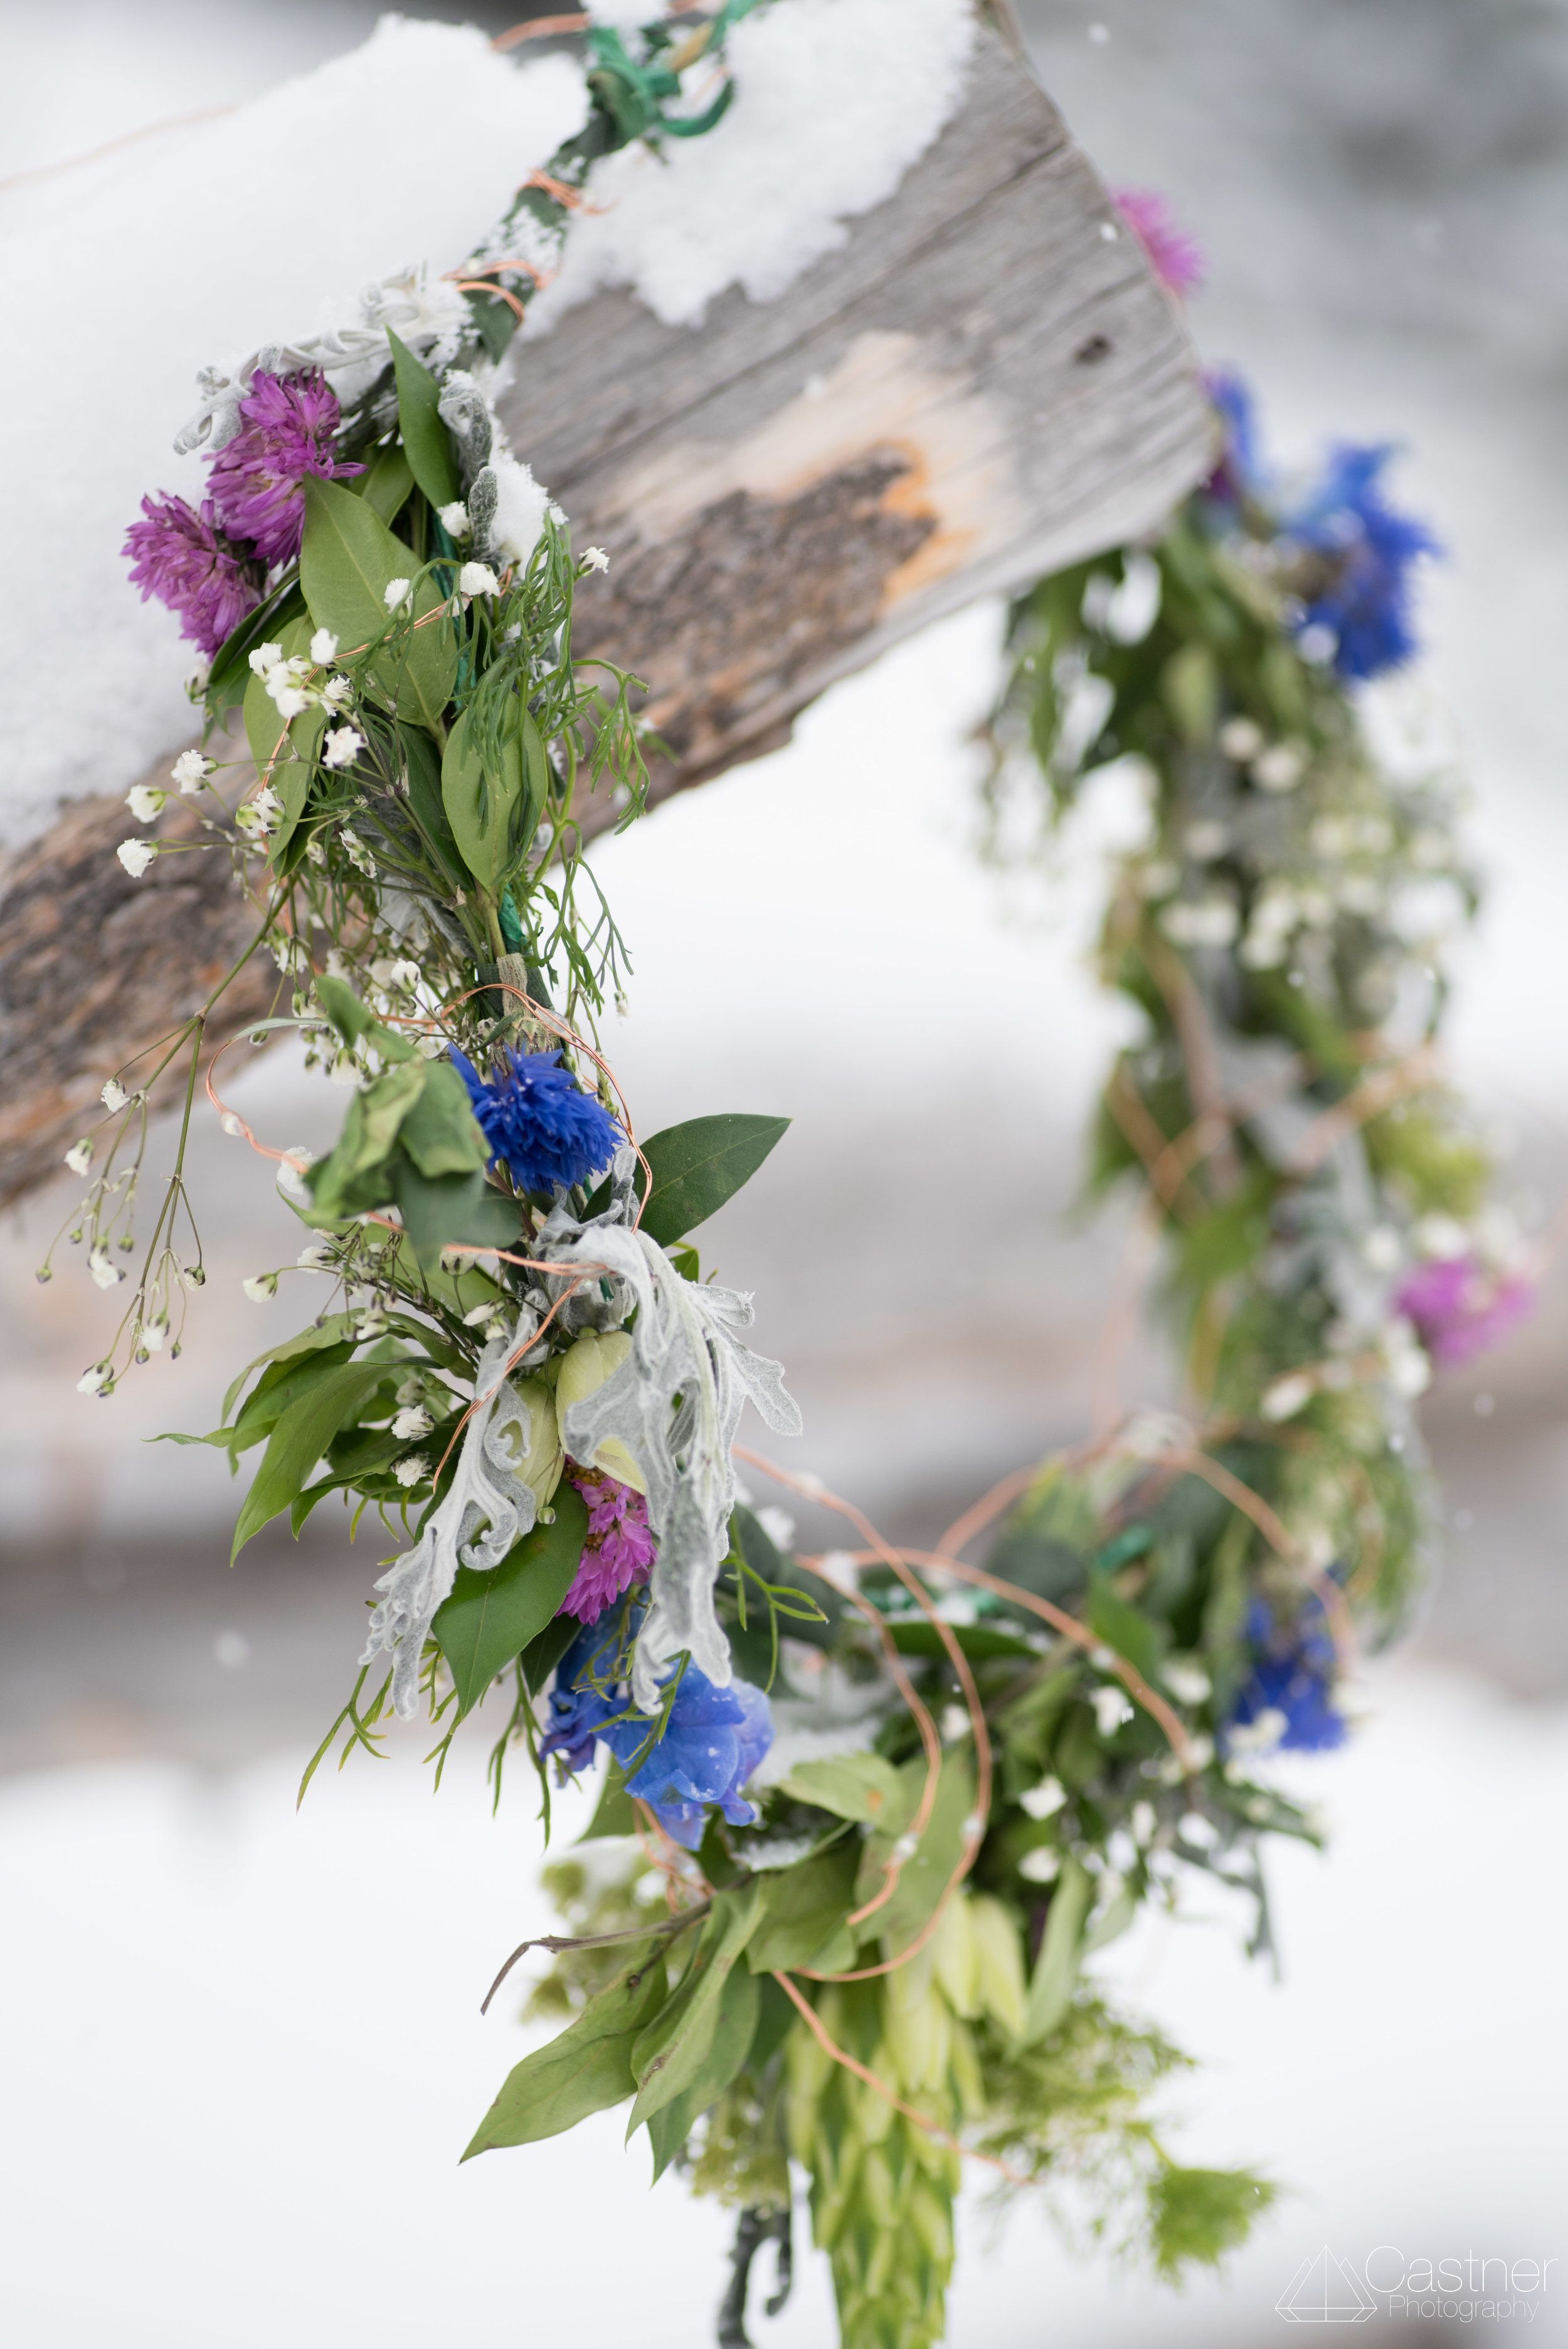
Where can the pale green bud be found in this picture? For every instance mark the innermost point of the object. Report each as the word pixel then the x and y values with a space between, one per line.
pixel 584 1371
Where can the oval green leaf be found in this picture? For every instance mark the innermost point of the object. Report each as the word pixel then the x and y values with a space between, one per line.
pixel 489 1619
pixel 697 1167
pixel 491 808
pixel 347 558
pixel 426 438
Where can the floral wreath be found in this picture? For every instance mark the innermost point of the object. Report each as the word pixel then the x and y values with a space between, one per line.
pixel 862 1814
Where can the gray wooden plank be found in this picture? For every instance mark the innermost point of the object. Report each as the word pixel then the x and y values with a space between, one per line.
pixel 980 385
pixel 977 387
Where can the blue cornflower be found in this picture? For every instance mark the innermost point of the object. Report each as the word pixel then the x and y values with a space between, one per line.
pixel 1295 1668
pixel 1240 471
pixel 536 1116
pixel 711 1743
pixel 1371 549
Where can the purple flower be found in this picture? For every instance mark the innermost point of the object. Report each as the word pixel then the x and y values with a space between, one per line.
pixel 712 1741
pixel 180 557
pixel 1459 1308
pixel 1294 1672
pixel 1178 258
pixel 619 1551
pixel 536 1116
pixel 1369 551
pixel 289 424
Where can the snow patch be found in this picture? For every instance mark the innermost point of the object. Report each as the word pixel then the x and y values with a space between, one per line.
pixel 835 99
pixel 126 276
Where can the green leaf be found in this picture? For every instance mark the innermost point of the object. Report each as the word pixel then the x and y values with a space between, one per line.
pixel 862 1786
pixel 697 1167
pixel 490 1619
pixel 924 1877
pixel 1124 1627
pixel 327 1333
pixel 299 1440
pixel 343 1008
pixel 585 2070
pixel 422 769
pixel 425 437
pixel 1056 1968
pixel 493 809
pixel 357 1175
pixel 278 1386
pixel 541 1655
pixel 804 1909
pixel 613 1814
pixel 451 1210
pixel 230 677
pixel 440 1133
pixel 289 751
pixel 669 2054
pixel 917 1637
pixel 347 559
pixel 732 2037
pixel 352 1021
pixel 281 1385
pixel 385 482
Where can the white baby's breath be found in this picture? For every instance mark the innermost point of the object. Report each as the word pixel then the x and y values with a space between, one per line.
pixel 342 747
pixel 290 1173
pixel 476 579
pixel 260 1287
pixel 79 1156
pixel 135 855
pixel 260 814
pixel 1112 1707
pixel 395 593
pixel 103 1268
pixel 191 770
pixel 146 802
pixel 323 648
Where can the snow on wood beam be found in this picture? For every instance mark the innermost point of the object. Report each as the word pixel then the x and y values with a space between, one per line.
pixel 984 382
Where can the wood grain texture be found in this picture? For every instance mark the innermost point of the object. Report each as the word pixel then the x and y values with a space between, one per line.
pixel 979 386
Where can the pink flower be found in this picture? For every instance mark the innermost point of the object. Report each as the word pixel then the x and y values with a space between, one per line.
pixel 619 1551
pixel 1459 1308
pixel 1178 258
pixel 289 424
pixel 182 558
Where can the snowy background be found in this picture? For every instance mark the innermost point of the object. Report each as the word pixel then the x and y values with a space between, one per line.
pixel 244 2047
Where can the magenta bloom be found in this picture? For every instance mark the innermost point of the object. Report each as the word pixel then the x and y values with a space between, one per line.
pixel 289 425
pixel 182 558
pixel 619 1551
pixel 1178 258
pixel 1459 1308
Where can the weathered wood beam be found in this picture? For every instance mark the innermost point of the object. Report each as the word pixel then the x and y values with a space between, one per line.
pixel 981 384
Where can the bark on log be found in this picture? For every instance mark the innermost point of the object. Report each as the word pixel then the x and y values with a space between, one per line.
pixel 982 384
